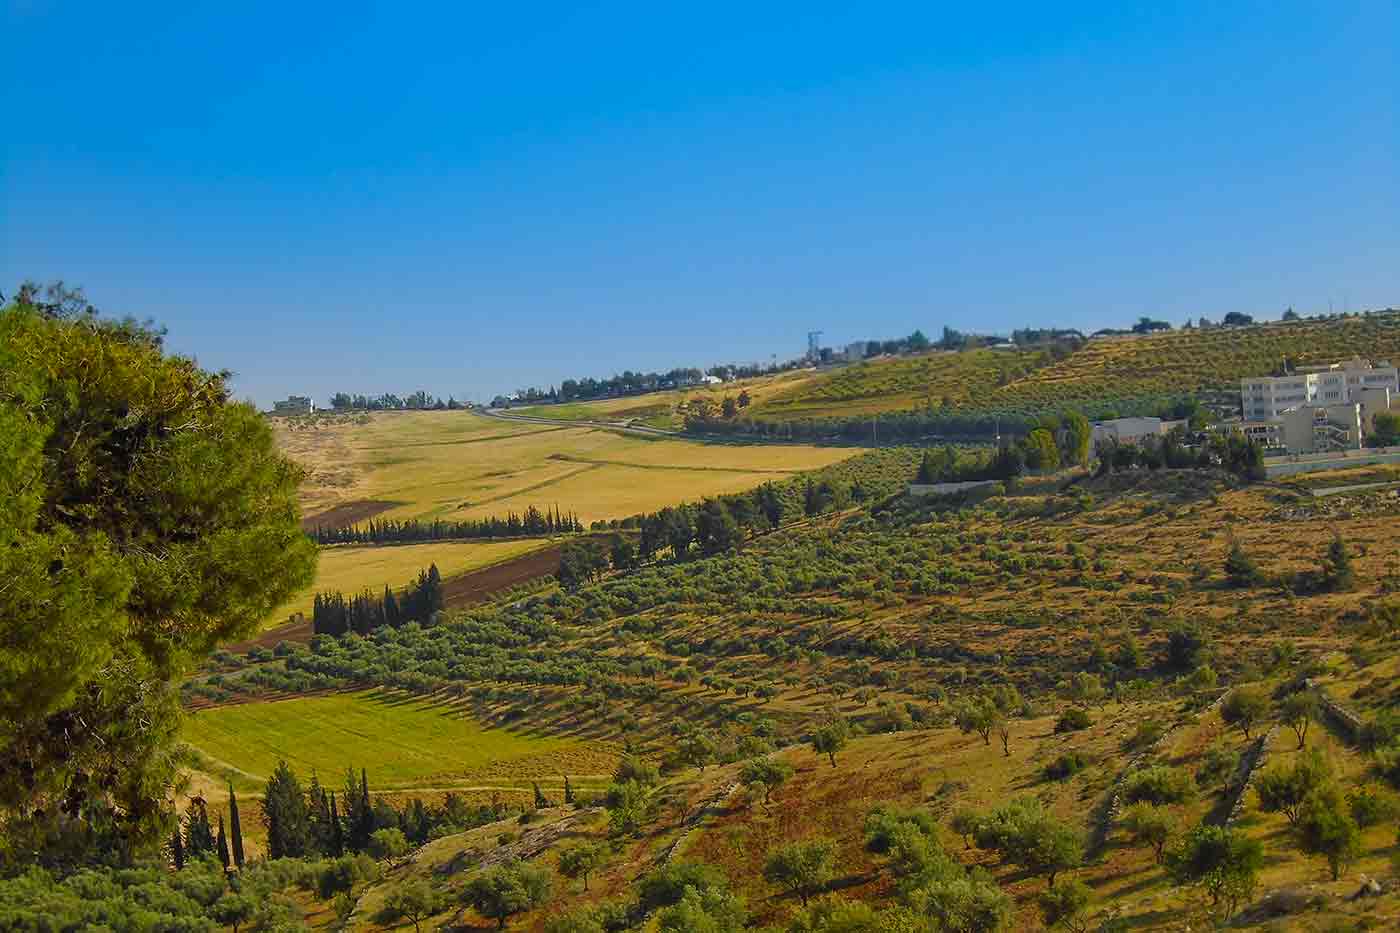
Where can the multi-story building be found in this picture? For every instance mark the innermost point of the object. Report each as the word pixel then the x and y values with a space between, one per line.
pixel 294 405
pixel 1265 397
pixel 1321 427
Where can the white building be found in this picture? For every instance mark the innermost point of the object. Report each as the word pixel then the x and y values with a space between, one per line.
pixel 1265 397
pixel 1321 427
pixel 1319 407
pixel 294 405
pixel 1130 430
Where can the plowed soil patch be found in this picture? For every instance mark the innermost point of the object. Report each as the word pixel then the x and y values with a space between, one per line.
pixel 479 585
pixel 347 513
pixel 463 590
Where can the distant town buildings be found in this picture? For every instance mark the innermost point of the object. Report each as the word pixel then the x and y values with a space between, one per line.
pixel 1264 397
pixel 1330 407
pixel 294 405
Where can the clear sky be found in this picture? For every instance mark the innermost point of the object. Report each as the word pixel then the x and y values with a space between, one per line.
pixel 471 199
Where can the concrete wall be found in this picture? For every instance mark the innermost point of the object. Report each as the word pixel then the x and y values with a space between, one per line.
pixel 1275 467
pixel 944 489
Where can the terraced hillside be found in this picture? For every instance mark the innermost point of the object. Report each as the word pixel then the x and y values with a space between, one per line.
pixel 1113 373
pixel 1104 598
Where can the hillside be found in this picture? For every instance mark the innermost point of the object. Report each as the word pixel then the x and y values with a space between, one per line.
pixel 893 618
pixel 1106 374
pixel 458 465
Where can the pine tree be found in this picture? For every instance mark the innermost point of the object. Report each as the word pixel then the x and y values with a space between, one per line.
pixel 221 843
pixel 540 801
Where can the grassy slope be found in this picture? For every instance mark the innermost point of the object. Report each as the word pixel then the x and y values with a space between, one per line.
pixel 1173 363
pixel 460 465
pixel 1155 545
pixel 401 741
pixel 351 569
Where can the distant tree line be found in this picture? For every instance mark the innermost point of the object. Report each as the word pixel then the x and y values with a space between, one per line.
pixel 417 401
pixel 387 530
pixel 335 614
pixel 1055 441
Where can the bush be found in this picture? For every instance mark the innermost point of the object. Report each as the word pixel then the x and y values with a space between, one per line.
pixel 1073 719
pixel 387 843
pixel 1158 785
pixel 1066 765
pixel 1371 806
pixel 665 886
pixel 1218 764
pixel 1148 732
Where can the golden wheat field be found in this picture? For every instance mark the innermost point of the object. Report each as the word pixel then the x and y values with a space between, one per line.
pixel 456 464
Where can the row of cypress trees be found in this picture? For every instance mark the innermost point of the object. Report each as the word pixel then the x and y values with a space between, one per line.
pixel 387 530
pixel 335 614
pixel 199 838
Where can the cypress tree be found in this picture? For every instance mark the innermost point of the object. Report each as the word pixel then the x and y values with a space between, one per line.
pixel 177 851
pixel 568 790
pixel 540 801
pixel 362 827
pixel 284 814
pixel 235 828
pixel 221 843
pixel 337 835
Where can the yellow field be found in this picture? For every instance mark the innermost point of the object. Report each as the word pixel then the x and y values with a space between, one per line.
pixel 454 464
pixel 351 569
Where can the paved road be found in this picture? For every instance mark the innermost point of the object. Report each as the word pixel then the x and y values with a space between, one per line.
pixel 625 427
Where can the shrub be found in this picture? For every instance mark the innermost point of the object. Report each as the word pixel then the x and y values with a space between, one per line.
pixel 1371 805
pixel 1218 763
pixel 1158 785
pixel 387 843
pixel 1073 719
pixel 1066 765
pixel 1148 732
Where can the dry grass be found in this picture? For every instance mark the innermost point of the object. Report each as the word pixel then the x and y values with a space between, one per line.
pixel 461 465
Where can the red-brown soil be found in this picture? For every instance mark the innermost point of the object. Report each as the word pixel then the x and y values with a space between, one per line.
pixel 467 589
pixel 347 513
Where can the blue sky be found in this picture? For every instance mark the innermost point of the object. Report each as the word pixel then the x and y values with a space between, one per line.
pixel 484 196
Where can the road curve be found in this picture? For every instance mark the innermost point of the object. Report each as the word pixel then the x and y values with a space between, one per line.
pixel 626 428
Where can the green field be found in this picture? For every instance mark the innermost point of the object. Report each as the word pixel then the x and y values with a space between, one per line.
pixel 454 464
pixel 351 569
pixel 402 741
